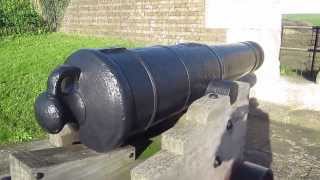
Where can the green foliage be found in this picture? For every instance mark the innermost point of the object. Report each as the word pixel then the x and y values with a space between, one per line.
pixel 53 11
pixel 25 63
pixel 286 71
pixel 152 148
pixel 18 17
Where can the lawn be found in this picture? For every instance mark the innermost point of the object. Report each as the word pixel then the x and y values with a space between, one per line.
pixel 314 19
pixel 298 62
pixel 25 63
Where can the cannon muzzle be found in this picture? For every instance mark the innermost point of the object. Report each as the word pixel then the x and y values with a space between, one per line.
pixel 113 94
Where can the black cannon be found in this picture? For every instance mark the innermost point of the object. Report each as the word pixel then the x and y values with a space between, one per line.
pixel 113 94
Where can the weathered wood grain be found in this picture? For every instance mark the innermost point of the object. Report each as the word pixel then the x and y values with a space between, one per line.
pixel 66 137
pixel 73 162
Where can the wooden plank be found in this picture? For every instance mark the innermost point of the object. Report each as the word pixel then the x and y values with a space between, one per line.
pixel 294 49
pixel 299 49
pixel 297 27
pixel 73 162
pixel 6 150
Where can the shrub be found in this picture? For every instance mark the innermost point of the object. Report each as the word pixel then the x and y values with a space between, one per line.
pixel 20 16
pixel 286 71
pixel 52 11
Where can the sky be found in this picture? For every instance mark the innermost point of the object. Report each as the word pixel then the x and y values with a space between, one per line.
pixel 255 13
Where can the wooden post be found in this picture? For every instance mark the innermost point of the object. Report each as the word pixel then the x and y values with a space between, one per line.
pixel 67 136
pixel 314 56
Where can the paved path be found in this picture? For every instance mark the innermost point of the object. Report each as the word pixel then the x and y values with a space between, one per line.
pixel 285 139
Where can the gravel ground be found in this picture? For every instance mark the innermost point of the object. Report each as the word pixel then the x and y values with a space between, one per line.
pixel 285 139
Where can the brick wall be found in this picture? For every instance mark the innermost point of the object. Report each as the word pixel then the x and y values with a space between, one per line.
pixel 165 21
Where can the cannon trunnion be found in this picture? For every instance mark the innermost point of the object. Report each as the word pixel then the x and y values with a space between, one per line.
pixel 113 94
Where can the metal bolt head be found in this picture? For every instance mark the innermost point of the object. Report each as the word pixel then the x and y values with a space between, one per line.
pixel 229 125
pixel 213 95
pixel 217 162
pixel 39 175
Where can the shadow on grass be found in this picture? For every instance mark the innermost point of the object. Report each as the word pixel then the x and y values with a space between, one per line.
pixel 306 74
pixel 149 143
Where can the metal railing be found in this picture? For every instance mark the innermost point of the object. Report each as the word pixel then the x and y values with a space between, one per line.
pixel 300 49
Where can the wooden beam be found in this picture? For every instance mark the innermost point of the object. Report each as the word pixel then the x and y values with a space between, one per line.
pixel 295 49
pixel 297 27
pixel 73 162
pixel 69 135
pixel 299 49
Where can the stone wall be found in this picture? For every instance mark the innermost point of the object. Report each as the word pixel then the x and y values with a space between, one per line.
pixel 165 21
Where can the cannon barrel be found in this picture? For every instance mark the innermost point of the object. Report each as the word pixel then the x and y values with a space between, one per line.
pixel 113 94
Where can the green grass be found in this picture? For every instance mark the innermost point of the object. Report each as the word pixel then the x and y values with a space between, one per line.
pixel 152 149
pixel 314 19
pixel 25 63
pixel 286 71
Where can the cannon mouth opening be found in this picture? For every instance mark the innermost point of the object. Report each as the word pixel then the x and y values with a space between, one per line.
pixel 258 50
